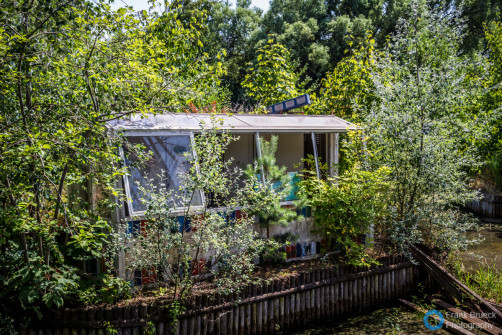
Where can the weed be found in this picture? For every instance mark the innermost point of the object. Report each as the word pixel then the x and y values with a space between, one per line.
pixel 486 281
pixel 109 328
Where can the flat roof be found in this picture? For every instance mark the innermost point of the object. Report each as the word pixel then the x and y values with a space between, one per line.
pixel 243 123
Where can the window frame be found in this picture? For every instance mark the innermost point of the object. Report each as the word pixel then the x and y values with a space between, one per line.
pixel 191 134
pixel 126 183
pixel 258 154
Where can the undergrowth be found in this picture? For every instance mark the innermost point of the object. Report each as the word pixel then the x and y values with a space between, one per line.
pixel 485 281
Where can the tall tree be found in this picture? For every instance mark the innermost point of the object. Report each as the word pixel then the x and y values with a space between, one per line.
pixel 492 103
pixel 421 128
pixel 66 68
pixel 477 13
pixel 232 29
pixel 272 77
pixel 348 91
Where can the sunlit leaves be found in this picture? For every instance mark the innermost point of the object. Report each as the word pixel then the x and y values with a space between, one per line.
pixel 421 128
pixel 348 90
pixel 272 78
pixel 67 67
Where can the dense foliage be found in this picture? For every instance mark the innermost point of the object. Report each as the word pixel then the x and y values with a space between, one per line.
pixel 421 77
pixel 492 103
pixel 272 77
pixel 66 68
pixel 348 206
pixel 217 242
pixel 317 33
pixel 421 128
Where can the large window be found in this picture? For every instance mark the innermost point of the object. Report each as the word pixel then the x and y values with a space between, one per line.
pixel 291 149
pixel 165 166
pixel 167 162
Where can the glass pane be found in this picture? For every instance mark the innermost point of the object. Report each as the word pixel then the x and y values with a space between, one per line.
pixel 166 165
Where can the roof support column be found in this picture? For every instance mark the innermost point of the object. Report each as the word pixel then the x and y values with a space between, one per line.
pixel 316 156
pixel 258 152
pixel 197 168
pixel 334 153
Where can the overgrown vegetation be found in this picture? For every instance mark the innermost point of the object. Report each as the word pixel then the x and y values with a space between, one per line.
pixel 486 280
pixel 422 130
pixel 179 255
pixel 67 67
pixel 273 185
pixel 348 206
pixel 421 78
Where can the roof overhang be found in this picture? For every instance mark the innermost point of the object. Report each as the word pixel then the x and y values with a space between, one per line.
pixel 236 123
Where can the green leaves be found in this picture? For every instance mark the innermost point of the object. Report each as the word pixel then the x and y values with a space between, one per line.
pixel 345 207
pixel 491 101
pixel 65 71
pixel 421 127
pixel 348 90
pixel 205 238
pixel 270 189
pixel 40 283
pixel 272 78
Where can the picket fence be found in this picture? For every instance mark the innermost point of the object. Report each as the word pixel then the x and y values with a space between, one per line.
pixel 280 305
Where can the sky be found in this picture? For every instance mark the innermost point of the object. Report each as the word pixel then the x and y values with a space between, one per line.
pixel 143 4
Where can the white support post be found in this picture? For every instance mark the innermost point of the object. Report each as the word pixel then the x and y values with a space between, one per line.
pixel 258 151
pixel 316 156
pixel 333 154
pixel 118 216
pixel 337 152
pixel 197 168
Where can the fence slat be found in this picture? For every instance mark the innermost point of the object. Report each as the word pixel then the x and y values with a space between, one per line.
pixel 259 315
pixel 280 305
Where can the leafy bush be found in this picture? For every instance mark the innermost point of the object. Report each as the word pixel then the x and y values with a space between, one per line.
pixel 221 243
pixel 68 67
pixel 39 284
pixel 423 130
pixel 274 257
pixel 273 77
pixel 108 289
pixel 345 207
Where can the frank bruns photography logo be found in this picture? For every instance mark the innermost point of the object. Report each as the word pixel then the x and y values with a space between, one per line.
pixel 462 315
pixel 430 314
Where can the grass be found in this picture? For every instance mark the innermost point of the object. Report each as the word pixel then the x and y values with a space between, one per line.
pixel 485 281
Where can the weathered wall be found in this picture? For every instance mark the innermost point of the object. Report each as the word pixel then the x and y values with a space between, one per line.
pixel 242 151
pixel 281 305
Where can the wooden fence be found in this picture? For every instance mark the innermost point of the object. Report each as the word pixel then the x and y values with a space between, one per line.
pixel 282 304
pixel 489 206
